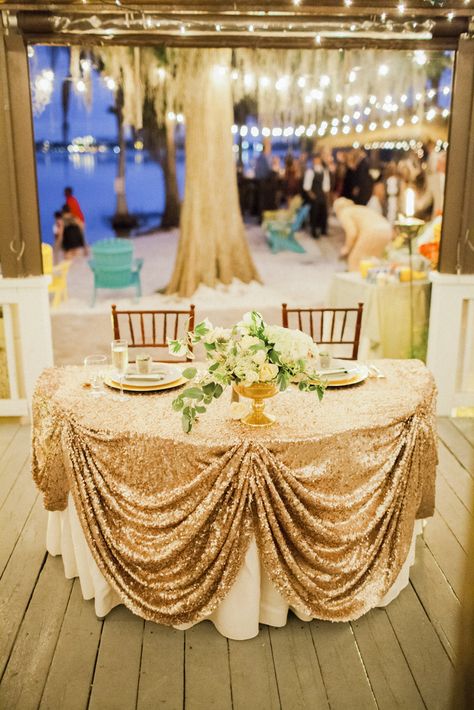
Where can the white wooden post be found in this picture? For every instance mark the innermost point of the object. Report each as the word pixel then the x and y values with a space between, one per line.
pixel 451 340
pixel 28 342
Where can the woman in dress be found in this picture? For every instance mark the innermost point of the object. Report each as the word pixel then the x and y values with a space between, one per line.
pixel 72 238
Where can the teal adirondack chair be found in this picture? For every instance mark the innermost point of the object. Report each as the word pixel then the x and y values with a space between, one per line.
pixel 281 235
pixel 114 267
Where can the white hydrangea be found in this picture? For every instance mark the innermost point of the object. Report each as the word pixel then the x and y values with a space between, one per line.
pixel 291 345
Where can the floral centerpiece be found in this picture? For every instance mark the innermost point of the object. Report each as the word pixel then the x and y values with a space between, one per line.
pixel 257 359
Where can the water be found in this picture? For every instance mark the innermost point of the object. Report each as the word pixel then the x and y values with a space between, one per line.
pixel 92 175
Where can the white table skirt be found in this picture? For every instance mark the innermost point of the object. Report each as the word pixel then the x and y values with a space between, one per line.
pixel 252 600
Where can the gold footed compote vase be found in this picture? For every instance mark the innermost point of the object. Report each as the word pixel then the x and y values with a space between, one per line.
pixel 258 393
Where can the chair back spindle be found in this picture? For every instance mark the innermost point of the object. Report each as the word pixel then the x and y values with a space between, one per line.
pixel 150 329
pixel 328 326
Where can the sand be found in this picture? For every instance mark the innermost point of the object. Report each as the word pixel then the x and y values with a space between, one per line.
pixel 297 279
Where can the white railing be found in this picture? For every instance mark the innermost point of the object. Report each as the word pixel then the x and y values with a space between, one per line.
pixel 26 339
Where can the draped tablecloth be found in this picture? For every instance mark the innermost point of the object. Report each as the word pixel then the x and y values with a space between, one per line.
pixel 326 499
pixel 385 331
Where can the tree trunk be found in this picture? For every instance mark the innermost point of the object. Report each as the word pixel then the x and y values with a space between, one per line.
pixel 213 246
pixel 121 209
pixel 172 203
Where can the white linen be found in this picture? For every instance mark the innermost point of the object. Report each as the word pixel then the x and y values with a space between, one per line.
pixel 252 600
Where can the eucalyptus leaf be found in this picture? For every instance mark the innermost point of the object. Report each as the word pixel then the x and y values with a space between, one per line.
pixel 189 373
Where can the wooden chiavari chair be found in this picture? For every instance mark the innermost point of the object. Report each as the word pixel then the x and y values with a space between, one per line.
pixel 150 329
pixel 327 326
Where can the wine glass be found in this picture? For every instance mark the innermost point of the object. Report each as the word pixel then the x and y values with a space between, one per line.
pixel 95 365
pixel 120 360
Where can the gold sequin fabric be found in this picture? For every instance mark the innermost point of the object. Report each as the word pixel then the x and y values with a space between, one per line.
pixel 331 493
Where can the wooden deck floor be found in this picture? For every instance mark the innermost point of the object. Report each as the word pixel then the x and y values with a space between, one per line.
pixel 55 654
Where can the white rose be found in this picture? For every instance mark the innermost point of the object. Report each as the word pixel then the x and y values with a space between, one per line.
pixel 259 357
pixel 238 410
pixel 268 372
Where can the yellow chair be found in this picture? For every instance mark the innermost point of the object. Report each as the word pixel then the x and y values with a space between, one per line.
pixel 283 214
pixel 58 273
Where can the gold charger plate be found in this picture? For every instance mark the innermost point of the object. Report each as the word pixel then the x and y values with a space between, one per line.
pixel 354 380
pixel 127 387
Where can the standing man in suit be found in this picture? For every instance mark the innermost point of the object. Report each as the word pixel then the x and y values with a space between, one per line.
pixel 316 183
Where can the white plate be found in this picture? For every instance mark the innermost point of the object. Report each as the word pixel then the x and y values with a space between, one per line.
pixel 161 374
pixel 348 368
pixel 358 374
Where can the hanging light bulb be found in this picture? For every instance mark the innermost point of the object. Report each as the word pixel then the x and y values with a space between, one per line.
pixel 324 80
pixel 338 98
pixel 335 122
pixel 296 2
pixel 234 74
pixel 403 98
pixel 282 83
pixel 182 29
pixel 264 81
pixel 218 28
pixel 31 52
pixel 420 57
pixel 401 8
pixel 414 119
pixel 243 131
pixel 248 80
pixel 372 126
pixel 367 111
pixel 301 82
pixel 383 70
pixel 386 124
pixel 372 99
pixel 450 16
pixel 352 76
pixel 359 128
pixel 400 121
pixel 251 28
pixel 81 86
pixel 234 129
pixel 254 131
pixel 383 16
pixel 430 114
pixel 317 39
pixel 334 131
pixel 347 3
pixel 346 129
pixel 110 83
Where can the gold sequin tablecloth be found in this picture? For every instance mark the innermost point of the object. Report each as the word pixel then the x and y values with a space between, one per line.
pixel 329 495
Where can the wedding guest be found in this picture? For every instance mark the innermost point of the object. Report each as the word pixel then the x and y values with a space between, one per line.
pixel 362 181
pixel 264 180
pixel 292 179
pixel 316 185
pixel 72 237
pixel 377 200
pixel 367 234
pixel 339 173
pixel 74 207
pixel 392 188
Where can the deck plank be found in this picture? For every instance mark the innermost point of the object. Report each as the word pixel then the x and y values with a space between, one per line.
pixel 300 683
pixel 457 444
pixel 385 664
pixel 72 667
pixel 428 661
pixel 253 673
pixel 447 552
pixel 15 512
pixel 18 580
pixel 456 476
pixel 161 682
pixel 207 676
pixel 13 459
pixel 454 513
pixel 115 681
pixel 437 597
pixel 466 426
pixel 25 675
pixel 344 674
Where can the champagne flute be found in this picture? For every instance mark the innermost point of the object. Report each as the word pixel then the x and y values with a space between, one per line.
pixel 95 365
pixel 120 360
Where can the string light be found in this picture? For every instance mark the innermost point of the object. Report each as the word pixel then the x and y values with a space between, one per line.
pixel 324 81
pixel 182 29
pixel 218 28
pixel 251 28
pixel 301 82
pixel 420 57
pixel 383 70
pixel 383 16
pixel 31 52
pixel 317 39
pixel 296 2
pixel 352 76
pixel 81 86
pixel 401 8
pixel 347 3
pixel 450 16
pixel 110 83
